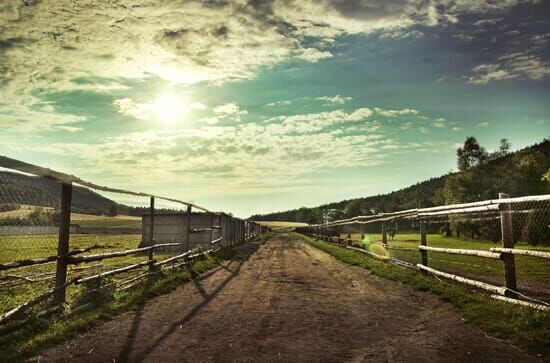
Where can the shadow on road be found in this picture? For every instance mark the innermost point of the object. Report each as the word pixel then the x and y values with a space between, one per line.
pixel 243 254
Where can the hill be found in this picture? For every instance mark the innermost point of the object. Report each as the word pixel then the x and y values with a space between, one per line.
pixel 30 190
pixel 516 173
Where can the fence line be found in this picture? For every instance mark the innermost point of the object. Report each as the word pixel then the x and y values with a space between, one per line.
pixel 498 216
pixel 221 230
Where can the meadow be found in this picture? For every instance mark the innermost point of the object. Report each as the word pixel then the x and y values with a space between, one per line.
pixel 21 284
pixel 532 272
pixel 281 224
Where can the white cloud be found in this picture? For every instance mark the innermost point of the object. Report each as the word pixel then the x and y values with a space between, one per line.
pixel 483 124
pixel 69 128
pixel 439 124
pixel 517 65
pixel 394 113
pixel 129 107
pixel 65 45
pixel 314 122
pixel 337 100
pixel 19 118
pixel 407 125
pixel 229 109
pixel 313 55
pixel 279 103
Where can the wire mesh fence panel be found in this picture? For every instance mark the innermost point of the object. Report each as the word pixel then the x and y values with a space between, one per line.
pixel 500 245
pixel 29 229
pixel 403 238
pixel 531 232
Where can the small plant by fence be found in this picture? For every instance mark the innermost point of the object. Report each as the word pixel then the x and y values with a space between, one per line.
pixel 65 241
pixel 501 246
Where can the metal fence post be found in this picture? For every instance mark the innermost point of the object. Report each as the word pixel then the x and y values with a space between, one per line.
pixel 507 242
pixel 187 228
pixel 384 234
pixel 423 242
pixel 151 230
pixel 63 242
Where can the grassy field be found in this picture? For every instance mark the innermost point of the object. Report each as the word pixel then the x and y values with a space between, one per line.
pixel 40 333
pixel 14 290
pixel 83 220
pixel 89 220
pixel 532 273
pixel 43 332
pixel 524 327
pixel 281 224
pixel 23 211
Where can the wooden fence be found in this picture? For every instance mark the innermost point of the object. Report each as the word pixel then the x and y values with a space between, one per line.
pixel 502 206
pixel 232 231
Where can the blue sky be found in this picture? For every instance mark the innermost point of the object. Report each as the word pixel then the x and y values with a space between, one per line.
pixel 258 106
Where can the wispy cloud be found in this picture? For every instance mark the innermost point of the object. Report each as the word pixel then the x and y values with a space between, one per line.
pixel 334 100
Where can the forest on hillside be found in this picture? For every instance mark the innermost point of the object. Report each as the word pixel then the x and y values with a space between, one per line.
pixel 481 175
pixel 19 189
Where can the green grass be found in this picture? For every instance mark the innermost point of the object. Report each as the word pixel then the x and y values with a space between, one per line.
pixel 42 333
pixel 530 270
pixel 14 248
pixel 524 327
pixel 86 220
pixel 437 240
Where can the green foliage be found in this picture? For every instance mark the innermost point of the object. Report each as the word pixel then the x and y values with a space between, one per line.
pixel 353 208
pixel 44 332
pixel 9 207
pixel 98 292
pixel 471 154
pixel 483 177
pixel 113 211
pixel 38 217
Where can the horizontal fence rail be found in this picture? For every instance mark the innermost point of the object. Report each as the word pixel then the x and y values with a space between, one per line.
pixel 459 252
pixel 46 210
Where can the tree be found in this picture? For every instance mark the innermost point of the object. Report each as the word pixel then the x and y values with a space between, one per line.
pixel 471 154
pixel 353 208
pixel 113 211
pixel 503 150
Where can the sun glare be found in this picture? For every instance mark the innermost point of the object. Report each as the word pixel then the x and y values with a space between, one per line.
pixel 169 109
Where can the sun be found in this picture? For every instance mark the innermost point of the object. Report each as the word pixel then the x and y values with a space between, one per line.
pixel 169 109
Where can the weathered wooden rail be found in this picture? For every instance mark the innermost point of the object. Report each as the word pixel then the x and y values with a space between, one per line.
pixel 501 207
pixel 230 231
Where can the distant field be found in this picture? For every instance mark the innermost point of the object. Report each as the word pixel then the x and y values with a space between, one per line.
pixel 83 220
pixel 532 273
pixel 14 248
pixel 23 211
pixel 89 220
pixel 281 224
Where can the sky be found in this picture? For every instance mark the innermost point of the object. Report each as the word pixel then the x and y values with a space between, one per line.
pixel 260 106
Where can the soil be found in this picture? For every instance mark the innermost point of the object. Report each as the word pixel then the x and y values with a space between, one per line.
pixel 284 300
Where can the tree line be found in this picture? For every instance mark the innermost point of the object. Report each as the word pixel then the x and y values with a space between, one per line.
pixel 481 175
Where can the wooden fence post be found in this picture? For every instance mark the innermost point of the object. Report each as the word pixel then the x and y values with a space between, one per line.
pixel 63 242
pixel 507 242
pixel 423 242
pixel 211 227
pixel 151 230
pixel 232 231
pixel 362 232
pixel 187 229
pixel 384 234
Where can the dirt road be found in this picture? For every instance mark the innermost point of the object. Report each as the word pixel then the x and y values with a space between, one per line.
pixel 287 301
